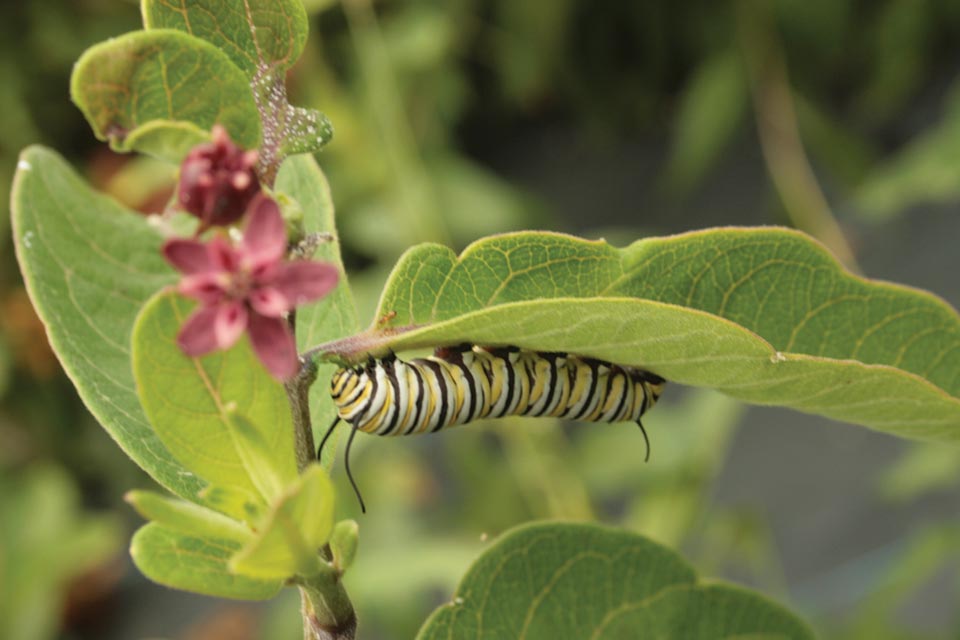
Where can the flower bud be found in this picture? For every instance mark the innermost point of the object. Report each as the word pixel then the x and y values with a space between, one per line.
pixel 343 543
pixel 218 180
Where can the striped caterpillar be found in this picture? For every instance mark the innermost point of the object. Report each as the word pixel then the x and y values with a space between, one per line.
pixel 458 385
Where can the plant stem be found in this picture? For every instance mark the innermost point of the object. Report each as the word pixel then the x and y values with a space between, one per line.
pixel 779 132
pixel 298 389
pixel 326 608
pixel 327 611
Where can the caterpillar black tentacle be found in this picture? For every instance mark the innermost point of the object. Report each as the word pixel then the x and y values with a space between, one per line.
pixel 346 464
pixel 464 383
pixel 646 440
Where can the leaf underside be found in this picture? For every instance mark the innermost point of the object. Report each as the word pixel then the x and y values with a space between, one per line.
pixel 765 315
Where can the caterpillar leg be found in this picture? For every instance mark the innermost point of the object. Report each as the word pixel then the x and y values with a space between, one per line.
pixel 645 439
pixel 346 464
pixel 327 435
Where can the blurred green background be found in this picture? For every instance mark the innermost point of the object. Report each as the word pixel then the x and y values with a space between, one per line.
pixel 606 119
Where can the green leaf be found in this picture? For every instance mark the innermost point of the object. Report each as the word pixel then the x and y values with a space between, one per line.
pixel 89 265
pixel 251 32
pixel 197 564
pixel 764 315
pixel 713 106
pixel 301 180
pixel 554 580
pixel 258 458
pixel 189 400
pixel 166 139
pixel 297 525
pixel 263 38
pixel 166 81
pixel 187 517
pixel 240 504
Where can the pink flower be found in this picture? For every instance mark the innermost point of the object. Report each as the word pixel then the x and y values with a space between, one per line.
pixel 247 287
pixel 218 180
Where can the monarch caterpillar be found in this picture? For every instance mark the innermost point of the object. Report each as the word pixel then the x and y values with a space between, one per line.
pixel 457 385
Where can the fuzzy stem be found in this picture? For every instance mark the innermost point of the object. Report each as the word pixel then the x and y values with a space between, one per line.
pixel 779 131
pixel 327 611
pixel 326 608
pixel 298 389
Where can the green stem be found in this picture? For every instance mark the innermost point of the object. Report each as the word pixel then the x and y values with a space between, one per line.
pixel 327 611
pixel 779 132
pixel 298 389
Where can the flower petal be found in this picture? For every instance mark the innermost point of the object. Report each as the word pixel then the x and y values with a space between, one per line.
pixel 230 321
pixel 223 256
pixel 265 238
pixel 269 302
pixel 196 336
pixel 208 288
pixel 188 256
pixel 304 281
pixel 274 345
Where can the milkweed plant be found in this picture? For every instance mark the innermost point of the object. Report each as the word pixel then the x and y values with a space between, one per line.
pixel 204 341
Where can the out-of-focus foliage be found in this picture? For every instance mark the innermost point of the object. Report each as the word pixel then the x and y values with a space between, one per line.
pixel 923 469
pixel 45 541
pixel 924 171
pixel 402 83
pixel 701 133
pixel 933 551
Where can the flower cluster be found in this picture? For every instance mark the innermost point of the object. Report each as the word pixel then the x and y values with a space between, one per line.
pixel 245 286
pixel 218 180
